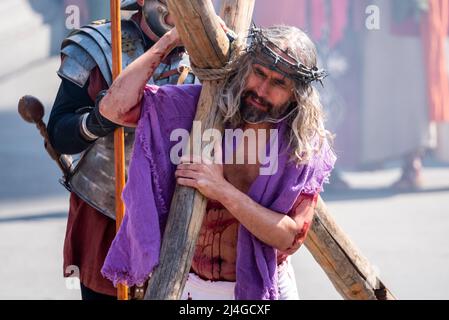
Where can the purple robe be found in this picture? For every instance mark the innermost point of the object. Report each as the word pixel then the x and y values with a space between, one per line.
pixel 135 251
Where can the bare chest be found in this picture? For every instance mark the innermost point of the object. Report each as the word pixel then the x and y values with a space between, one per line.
pixel 241 176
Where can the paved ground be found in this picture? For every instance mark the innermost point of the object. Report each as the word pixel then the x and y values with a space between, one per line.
pixel 404 235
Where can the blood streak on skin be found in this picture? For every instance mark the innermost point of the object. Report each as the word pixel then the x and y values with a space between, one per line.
pixel 217 228
pixel 211 241
pixel 220 234
pixel 153 67
pixel 208 260
pixel 219 248
pixel 132 116
pixel 161 55
pixel 301 235
pixel 202 263
pixel 304 207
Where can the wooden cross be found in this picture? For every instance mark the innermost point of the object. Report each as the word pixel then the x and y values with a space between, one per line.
pixel 208 47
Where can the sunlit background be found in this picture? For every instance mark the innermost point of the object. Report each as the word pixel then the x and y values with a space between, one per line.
pixel 386 99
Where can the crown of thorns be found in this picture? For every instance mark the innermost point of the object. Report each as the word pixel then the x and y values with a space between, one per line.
pixel 268 54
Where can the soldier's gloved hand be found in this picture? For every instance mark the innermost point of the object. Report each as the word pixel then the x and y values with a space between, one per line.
pixel 93 124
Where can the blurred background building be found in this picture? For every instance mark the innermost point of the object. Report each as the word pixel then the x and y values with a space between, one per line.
pixel 381 96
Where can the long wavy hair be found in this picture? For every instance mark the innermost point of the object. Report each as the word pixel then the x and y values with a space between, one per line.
pixel 307 123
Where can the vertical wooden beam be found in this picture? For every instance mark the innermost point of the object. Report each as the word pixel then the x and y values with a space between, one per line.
pixel 208 47
pixel 237 15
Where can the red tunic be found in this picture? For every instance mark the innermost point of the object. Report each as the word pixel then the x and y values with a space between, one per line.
pixel 89 233
pixel 88 237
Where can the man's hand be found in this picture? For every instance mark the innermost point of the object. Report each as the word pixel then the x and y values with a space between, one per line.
pixel 203 175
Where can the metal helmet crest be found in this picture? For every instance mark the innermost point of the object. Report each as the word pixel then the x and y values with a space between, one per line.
pixel 155 12
pixel 129 5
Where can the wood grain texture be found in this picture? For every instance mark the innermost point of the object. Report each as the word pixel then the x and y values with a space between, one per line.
pixel 208 47
pixel 200 30
pixel 238 14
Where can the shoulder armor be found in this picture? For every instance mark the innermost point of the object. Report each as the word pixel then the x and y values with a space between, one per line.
pixel 90 46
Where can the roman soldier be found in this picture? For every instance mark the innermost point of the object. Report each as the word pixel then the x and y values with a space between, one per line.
pixel 76 127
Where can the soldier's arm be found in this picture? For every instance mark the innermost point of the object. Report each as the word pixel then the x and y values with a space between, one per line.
pixel 63 125
pixel 123 100
pixel 75 122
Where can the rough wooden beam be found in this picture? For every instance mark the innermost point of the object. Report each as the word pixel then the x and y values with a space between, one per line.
pixel 208 47
pixel 349 271
pixel 237 15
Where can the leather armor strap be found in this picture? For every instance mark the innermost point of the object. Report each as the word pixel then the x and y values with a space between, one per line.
pixel 185 70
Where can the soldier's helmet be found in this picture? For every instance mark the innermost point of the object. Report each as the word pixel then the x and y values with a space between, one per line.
pixel 129 5
pixel 155 13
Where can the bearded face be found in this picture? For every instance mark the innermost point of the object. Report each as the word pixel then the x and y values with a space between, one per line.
pixel 255 109
pixel 268 96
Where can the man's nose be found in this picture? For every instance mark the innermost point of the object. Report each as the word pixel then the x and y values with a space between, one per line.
pixel 263 88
